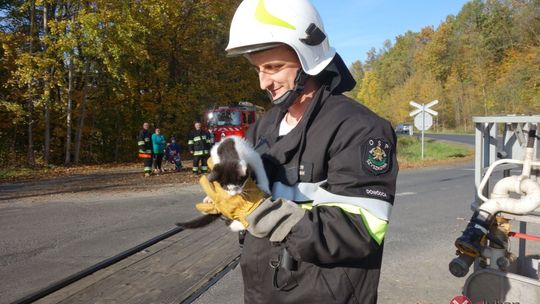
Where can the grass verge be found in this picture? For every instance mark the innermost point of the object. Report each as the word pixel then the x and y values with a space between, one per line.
pixel 14 173
pixel 435 152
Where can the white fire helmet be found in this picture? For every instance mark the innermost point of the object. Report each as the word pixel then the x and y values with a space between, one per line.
pixel 262 24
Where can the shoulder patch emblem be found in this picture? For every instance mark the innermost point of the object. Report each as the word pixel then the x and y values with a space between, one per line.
pixel 376 156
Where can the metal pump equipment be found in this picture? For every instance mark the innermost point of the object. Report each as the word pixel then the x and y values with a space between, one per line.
pixel 485 239
pixel 473 240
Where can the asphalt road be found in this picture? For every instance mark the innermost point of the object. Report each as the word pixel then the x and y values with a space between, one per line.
pixel 46 238
pixel 459 138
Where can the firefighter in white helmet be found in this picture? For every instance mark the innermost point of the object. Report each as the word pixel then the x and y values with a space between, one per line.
pixel 331 162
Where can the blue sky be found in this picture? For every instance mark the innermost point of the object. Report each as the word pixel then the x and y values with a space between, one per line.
pixel 355 26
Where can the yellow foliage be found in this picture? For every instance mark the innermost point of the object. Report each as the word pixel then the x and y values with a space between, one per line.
pixel 484 61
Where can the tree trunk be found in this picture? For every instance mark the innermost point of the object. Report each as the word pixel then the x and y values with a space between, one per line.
pixel 80 127
pixel 46 105
pixel 82 116
pixel 69 111
pixel 117 139
pixel 484 97
pixel 30 104
pixel 92 126
pixel 457 113
pixel 47 131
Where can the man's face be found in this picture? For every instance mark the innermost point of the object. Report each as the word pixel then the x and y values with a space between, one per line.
pixel 158 131
pixel 145 126
pixel 277 69
pixel 198 126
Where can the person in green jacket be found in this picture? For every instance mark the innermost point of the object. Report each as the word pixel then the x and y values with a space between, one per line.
pixel 158 144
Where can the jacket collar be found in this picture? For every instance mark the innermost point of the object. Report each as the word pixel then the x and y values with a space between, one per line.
pixel 337 76
pixel 284 153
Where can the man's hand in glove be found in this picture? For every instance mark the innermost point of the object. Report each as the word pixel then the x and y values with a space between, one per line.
pixel 234 207
pixel 261 216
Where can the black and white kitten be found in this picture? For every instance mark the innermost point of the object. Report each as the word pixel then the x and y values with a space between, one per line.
pixel 235 161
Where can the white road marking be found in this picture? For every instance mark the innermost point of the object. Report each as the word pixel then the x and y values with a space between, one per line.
pixel 405 193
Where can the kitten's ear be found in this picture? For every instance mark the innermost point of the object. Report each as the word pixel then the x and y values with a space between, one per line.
pixel 242 167
pixel 214 174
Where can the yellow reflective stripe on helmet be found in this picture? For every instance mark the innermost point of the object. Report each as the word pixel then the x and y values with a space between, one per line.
pixel 375 226
pixel 265 17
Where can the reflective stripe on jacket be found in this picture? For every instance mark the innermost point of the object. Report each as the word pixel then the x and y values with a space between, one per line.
pixel 144 142
pixel 199 142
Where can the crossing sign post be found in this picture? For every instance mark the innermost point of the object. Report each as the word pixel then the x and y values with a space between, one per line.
pixel 422 117
pixel 423 122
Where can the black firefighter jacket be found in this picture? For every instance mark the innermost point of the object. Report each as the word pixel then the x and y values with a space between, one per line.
pixel 340 153
pixel 144 141
pixel 199 142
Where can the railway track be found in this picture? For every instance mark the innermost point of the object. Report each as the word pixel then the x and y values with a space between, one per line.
pixel 66 282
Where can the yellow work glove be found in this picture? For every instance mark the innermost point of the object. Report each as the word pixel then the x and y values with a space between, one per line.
pixel 210 163
pixel 234 207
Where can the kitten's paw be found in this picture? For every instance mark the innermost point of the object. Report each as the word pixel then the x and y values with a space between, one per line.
pixel 236 226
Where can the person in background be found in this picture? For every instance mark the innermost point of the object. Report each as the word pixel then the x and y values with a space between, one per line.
pixel 199 143
pixel 158 143
pixel 172 153
pixel 144 141
pixel 212 138
pixel 331 162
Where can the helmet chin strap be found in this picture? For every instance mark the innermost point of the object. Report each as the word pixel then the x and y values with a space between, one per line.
pixel 286 100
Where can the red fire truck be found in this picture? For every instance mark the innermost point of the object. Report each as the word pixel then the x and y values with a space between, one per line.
pixel 231 120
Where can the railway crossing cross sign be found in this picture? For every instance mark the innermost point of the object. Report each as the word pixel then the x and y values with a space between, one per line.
pixel 422 117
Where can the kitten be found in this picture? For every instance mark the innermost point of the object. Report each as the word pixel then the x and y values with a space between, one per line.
pixel 234 162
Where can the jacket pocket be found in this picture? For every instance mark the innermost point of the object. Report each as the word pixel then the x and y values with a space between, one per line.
pixel 255 258
pixel 332 285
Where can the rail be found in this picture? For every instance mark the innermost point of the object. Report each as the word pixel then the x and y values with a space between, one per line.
pixel 90 270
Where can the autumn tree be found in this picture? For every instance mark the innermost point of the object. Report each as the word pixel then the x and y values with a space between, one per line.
pixel 97 69
pixel 483 61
